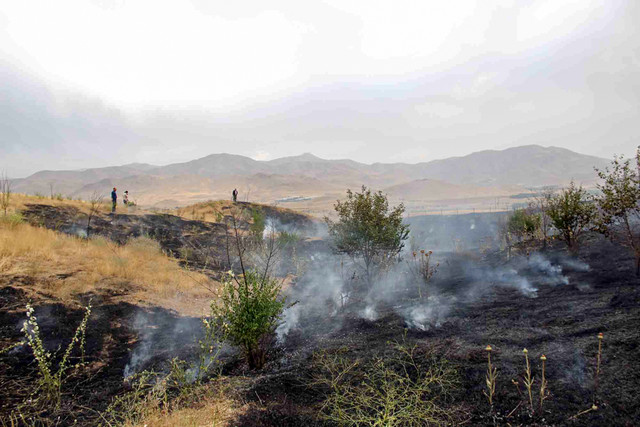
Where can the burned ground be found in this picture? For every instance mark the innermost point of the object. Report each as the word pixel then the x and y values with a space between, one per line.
pixel 561 320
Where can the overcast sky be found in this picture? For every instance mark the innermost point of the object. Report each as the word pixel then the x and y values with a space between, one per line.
pixel 106 82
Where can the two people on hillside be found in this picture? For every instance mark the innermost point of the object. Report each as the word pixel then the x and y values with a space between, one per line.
pixel 114 199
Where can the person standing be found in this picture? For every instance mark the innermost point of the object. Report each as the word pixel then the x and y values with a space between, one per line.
pixel 114 200
pixel 125 198
pixel 235 194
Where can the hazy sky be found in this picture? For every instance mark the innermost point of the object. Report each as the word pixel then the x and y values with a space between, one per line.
pixel 95 83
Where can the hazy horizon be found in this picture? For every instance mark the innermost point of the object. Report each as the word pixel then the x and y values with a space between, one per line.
pixel 110 82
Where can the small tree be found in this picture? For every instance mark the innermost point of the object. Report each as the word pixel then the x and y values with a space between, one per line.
pixel 571 213
pixel 367 229
pixel 618 205
pixel 540 205
pixel 5 192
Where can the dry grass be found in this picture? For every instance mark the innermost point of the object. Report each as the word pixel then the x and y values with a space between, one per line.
pixel 18 202
pixel 214 412
pixel 138 271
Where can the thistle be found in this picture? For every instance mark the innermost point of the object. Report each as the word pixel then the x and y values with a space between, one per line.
pixel 543 382
pixel 528 378
pixel 491 376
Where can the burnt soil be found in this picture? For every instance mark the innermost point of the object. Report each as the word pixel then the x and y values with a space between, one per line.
pixel 561 322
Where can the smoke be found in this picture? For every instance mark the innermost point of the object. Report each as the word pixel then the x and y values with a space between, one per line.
pixel 574 264
pixel 319 292
pixel 160 335
pixel 461 279
pixel 429 314
pixel 142 351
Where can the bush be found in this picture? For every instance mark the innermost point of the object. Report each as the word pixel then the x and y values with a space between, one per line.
pixel 571 213
pixel 368 230
pixel 258 222
pixel 523 224
pixel 248 312
pixel 619 206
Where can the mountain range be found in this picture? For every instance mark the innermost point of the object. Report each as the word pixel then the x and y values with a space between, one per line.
pixel 484 174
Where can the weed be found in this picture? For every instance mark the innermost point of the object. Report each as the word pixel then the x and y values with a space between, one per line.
pixel 544 392
pixel 423 269
pixel 490 379
pixel 51 377
pixel 390 391
pixel 12 220
pixel 528 379
pixel 594 406
pixel 596 382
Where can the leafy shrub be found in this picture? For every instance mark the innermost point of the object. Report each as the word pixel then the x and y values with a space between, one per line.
pixel 523 224
pixel 571 213
pixel 248 312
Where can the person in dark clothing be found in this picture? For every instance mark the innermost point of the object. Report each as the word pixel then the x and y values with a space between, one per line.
pixel 114 200
pixel 235 195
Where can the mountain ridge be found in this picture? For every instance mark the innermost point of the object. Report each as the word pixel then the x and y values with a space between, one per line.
pixel 307 174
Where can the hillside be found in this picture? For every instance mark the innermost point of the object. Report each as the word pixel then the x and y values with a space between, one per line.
pixel 499 173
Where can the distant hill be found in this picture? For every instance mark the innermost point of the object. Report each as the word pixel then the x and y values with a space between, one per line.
pixel 483 174
pixel 529 166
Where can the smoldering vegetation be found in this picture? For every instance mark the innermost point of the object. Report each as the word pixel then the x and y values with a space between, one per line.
pixel 332 283
pixel 540 298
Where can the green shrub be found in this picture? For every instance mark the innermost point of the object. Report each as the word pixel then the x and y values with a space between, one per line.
pixel 248 312
pixel 523 224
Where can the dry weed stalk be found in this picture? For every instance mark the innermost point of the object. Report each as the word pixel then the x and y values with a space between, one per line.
pixel 528 378
pixel 597 377
pixel 492 375
pixel 594 406
pixel 543 382
pixel 423 269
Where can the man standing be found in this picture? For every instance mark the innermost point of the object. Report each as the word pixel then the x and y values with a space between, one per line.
pixel 235 195
pixel 114 200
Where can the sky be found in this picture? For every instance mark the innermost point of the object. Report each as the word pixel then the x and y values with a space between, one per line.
pixel 91 83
